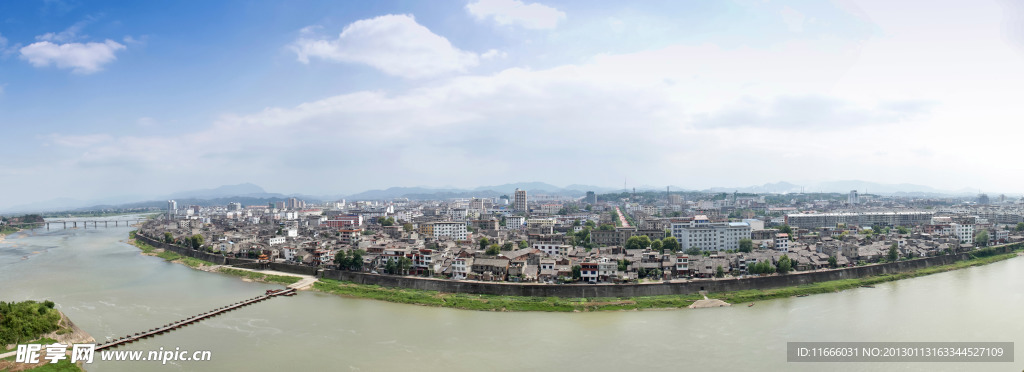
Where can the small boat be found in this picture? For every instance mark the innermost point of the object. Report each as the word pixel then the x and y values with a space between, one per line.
pixel 868 286
pixel 751 304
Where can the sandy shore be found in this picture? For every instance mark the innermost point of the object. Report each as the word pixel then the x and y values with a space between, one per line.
pixel 706 303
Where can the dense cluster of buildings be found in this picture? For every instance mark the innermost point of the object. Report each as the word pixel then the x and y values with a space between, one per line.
pixel 557 239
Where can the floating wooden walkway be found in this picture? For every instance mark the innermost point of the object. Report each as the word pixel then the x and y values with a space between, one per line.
pixel 184 322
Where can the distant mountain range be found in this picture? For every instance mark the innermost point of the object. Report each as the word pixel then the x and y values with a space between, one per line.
pixel 250 194
pixel 863 187
pixel 482 191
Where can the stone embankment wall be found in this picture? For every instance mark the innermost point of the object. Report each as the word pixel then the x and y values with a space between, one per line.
pixel 188 252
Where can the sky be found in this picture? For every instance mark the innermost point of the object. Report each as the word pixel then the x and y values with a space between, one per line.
pixel 101 99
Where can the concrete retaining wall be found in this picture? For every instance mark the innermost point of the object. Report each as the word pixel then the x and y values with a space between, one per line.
pixel 188 252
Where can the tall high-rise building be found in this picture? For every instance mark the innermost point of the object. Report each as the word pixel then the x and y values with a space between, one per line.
pixel 172 208
pixel 591 197
pixel 519 203
pixel 853 199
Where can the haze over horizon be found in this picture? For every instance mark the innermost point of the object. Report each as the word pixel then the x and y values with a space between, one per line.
pixel 325 98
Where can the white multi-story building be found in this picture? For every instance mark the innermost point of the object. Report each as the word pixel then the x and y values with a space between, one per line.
pixel 965 232
pixel 460 266
pixel 288 253
pixel 607 268
pixel 276 240
pixel 552 249
pixel 172 209
pixel 514 222
pixel 453 230
pixel 682 264
pixel 539 223
pixel 707 236
pixel 782 243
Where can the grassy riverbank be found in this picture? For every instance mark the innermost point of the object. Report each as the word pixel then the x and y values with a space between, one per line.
pixel 260 277
pixel 169 256
pixel 514 303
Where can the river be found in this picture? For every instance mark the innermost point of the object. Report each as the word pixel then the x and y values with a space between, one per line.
pixel 110 290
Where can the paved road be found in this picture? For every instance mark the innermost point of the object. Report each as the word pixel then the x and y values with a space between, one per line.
pixel 622 218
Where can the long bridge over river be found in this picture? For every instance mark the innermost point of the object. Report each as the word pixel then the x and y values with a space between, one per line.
pixel 64 224
pixel 291 291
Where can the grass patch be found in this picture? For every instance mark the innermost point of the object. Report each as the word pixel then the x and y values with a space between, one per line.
pixel 195 263
pixel 516 303
pixel 169 255
pixel 261 277
pixel 472 301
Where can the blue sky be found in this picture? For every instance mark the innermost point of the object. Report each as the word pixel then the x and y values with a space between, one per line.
pixel 328 97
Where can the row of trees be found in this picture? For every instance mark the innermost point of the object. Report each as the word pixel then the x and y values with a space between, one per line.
pixel 349 261
pixel 764 267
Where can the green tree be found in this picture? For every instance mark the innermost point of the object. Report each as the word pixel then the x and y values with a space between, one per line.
pixel 196 240
pixel 592 225
pixel 645 241
pixel 785 229
pixel 784 265
pixel 670 244
pixel 391 267
pixel 693 251
pixel 508 246
pixel 404 264
pixel 407 227
pixel 523 244
pixel 719 272
pixel 606 227
pixel 894 252
pixel 342 260
pixel 168 238
pixel 623 265
pixel 484 243
pixel 1020 226
pixel 902 230
pixel 658 246
pixel 832 262
pixel 356 260
pixel 981 239
pixel 633 242
pixel 576 272
pixel 746 245
pixel 493 250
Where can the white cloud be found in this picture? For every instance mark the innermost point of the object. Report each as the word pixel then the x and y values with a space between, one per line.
pixel 147 122
pixel 493 53
pixel 514 12
pixel 81 58
pixel 394 44
pixel 794 19
pixel 70 34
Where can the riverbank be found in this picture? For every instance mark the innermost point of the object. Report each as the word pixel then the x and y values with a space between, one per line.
pixel 64 331
pixel 172 257
pixel 560 304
